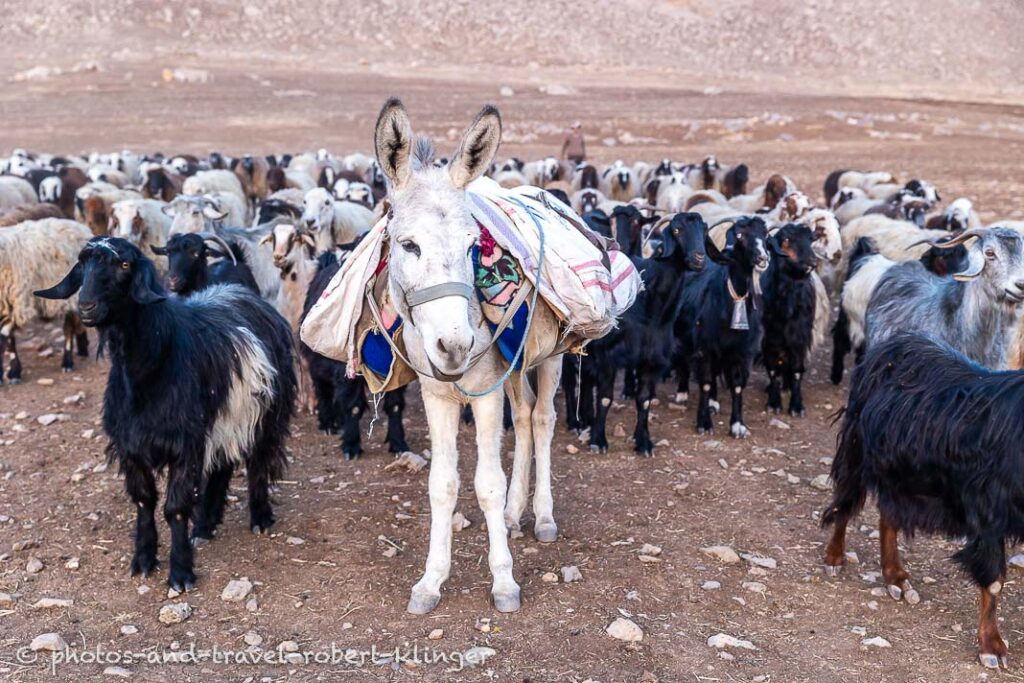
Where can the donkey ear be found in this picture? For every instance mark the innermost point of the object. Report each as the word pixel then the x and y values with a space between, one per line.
pixel 64 289
pixel 392 141
pixel 478 147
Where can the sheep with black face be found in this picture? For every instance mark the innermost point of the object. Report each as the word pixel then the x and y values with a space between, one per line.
pixel 197 386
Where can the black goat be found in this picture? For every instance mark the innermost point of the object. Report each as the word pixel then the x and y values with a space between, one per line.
pixel 340 400
pixel 188 270
pixel 628 228
pixel 719 326
pixel 788 316
pixel 643 342
pixel 935 439
pixel 197 385
pixel 272 208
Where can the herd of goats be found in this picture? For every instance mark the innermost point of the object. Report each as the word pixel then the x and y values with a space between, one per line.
pixel 735 275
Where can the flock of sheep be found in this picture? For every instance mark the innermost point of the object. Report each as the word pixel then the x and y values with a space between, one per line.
pixel 890 253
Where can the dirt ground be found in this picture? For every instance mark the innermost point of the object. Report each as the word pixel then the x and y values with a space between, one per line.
pixel 337 585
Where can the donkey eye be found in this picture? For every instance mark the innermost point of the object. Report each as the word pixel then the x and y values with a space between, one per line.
pixel 411 247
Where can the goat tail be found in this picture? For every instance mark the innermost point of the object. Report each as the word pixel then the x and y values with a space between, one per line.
pixel 848 493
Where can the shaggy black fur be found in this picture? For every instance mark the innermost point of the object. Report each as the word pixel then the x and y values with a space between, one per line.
pixel 704 324
pixel 173 363
pixel 188 270
pixel 340 401
pixel 789 305
pixel 643 342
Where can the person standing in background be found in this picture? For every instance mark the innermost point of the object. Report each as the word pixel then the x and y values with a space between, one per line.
pixel 574 148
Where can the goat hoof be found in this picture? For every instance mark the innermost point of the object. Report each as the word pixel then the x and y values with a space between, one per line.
pixel 353 455
pixel 182 580
pixel 833 570
pixel 546 533
pixel 67 370
pixel 507 602
pixel 797 413
pixel 143 565
pixel 991 661
pixel 738 430
pixel 14 380
pixel 199 541
pixel 422 603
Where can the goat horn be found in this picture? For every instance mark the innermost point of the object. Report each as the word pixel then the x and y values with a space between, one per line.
pixel 962 237
pixel 220 240
pixel 732 219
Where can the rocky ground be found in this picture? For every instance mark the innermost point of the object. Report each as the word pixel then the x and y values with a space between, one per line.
pixel 351 539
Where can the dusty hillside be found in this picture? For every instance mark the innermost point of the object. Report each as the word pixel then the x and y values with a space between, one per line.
pixel 969 49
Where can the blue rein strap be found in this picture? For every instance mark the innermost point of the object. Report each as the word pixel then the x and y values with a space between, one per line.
pixel 529 314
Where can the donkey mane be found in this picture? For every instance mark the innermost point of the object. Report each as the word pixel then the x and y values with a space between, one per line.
pixel 423 154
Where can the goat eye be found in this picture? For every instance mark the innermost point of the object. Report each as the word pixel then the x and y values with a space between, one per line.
pixel 125 265
pixel 411 247
pixel 990 253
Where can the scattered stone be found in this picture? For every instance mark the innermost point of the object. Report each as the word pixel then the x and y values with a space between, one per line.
pixel 88 433
pixel 1017 561
pixel 45 381
pixel 851 557
pixel 288 646
pixel 237 590
pixel 549 577
pixel 506 91
pixel 619 431
pixel 571 449
pixel 755 586
pixel 51 642
pixel 778 424
pixel 928 580
pixel 663 443
pixel 436 634
pixel 172 593
pixel 873 605
pixel 50 603
pixel 34 565
pixel 74 398
pixel 408 461
pixel 649 559
pixel 23 545
pixel 142 590
pixel 49 418
pixel 723 464
pixel 129 630
pixel 821 483
pixel 859 631
pixel 459 522
pixel 252 639
pixel 318 480
pixel 647 676
pixel 711 585
pixel 483 624
pixel 7 599
pixel 390 552
pixel 117 672
pixel 251 605
pixel 571 574
pixel 652 550
pixel 877 641
pixel 176 613
pixel 722 553
pixel 712 444
pixel 21 415
pixel 625 630
pixel 73 564
pixel 475 656
pixel 724 640
pixel 758 561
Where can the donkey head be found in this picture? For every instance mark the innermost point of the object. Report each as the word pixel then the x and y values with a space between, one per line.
pixel 431 232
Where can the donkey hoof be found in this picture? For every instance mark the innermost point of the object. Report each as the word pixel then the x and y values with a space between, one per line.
pixel 507 602
pixel 546 533
pixel 422 603
pixel 833 570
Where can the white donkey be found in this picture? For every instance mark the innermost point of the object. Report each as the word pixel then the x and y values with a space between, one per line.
pixel 431 282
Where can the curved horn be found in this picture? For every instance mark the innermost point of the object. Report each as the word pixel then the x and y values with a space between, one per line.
pixel 731 219
pixel 962 237
pixel 220 240
pixel 967 275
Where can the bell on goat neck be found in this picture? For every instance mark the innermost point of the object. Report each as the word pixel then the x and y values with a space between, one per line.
pixel 739 316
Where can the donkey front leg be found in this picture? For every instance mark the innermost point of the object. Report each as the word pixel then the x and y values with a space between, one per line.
pixel 443 422
pixel 544 419
pixel 523 400
pixel 490 494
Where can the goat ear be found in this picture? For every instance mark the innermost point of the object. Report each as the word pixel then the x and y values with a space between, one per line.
pixel 478 147
pixel 714 253
pixel 308 239
pixel 143 289
pixel 266 239
pixel 159 251
pixel 392 141
pixel 167 209
pixel 64 289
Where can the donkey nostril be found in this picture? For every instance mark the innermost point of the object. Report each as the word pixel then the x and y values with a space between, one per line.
pixel 441 347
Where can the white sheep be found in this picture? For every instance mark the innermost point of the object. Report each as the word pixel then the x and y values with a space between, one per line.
pixel 764 196
pixel 618 182
pixel 584 201
pixel 34 255
pixel 673 191
pixel 210 182
pixel 15 192
pixel 144 223
pixel 334 222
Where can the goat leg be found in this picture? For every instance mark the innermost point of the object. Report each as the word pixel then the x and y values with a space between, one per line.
pixel 897 579
pixel 737 380
pixel 67 363
pixel 141 488
pixel 704 423
pixel 605 391
pixel 14 369
pixel 774 403
pixel 182 492
pixel 210 511
pixel 796 394
pixel 350 400
pixel 394 406
pixel 992 648
pixel 840 346
pixel 641 434
pixel 570 367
